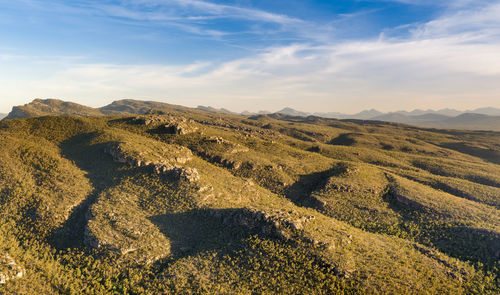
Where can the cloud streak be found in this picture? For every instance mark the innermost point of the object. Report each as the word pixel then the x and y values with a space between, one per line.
pixel 449 61
pixel 392 74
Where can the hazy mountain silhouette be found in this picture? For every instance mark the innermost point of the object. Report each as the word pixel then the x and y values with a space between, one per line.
pixel 487 118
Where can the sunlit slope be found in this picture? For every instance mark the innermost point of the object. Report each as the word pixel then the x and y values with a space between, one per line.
pixel 211 203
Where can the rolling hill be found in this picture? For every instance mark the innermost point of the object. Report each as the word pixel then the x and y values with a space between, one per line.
pixel 158 198
pixel 484 119
pixel 46 107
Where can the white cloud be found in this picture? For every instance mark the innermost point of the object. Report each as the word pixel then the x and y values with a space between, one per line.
pixel 384 74
pixel 234 11
pixel 452 61
pixel 476 22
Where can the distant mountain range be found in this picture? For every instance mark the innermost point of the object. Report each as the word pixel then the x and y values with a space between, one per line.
pixel 375 114
pixel 212 109
pixel 478 119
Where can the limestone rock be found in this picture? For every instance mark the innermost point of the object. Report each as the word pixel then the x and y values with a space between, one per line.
pixel 9 269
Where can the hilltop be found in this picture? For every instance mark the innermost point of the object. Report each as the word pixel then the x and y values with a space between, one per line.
pixel 147 198
pixel 46 107
pixel 479 119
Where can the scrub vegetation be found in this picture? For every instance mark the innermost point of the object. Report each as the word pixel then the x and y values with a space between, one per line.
pixel 152 198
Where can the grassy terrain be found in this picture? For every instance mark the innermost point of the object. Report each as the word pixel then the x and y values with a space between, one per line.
pixel 180 201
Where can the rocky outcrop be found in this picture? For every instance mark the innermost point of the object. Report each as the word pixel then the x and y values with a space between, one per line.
pixel 9 269
pixel 168 124
pixel 165 166
pixel 218 159
pixel 222 154
pixel 288 225
pixel 54 107
pixel 177 128
pixel 187 173
pixel 17 112
pixel 273 223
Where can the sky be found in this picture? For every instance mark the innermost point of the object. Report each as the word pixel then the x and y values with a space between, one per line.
pixel 311 55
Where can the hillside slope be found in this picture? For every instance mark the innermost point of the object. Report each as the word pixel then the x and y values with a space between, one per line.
pixel 44 107
pixel 431 119
pixel 54 107
pixel 188 201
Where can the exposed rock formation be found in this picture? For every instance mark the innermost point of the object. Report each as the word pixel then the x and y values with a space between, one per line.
pixel 9 269
pixel 273 223
pixel 168 124
pixel 177 128
pixel 163 166
pixel 187 173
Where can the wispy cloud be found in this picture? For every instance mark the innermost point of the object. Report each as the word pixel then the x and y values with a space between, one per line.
pixel 476 22
pixel 392 75
pixel 191 15
pixel 228 11
pixel 451 60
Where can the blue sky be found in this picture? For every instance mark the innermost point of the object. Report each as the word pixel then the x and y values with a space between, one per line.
pixel 252 55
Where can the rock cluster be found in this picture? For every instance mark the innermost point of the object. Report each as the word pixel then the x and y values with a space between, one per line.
pixel 224 162
pixel 177 128
pixel 187 173
pixel 160 167
pixel 221 157
pixel 250 132
pixel 234 148
pixel 9 269
pixel 273 223
pixel 217 140
pixel 342 187
pixel 169 124
pixel 253 220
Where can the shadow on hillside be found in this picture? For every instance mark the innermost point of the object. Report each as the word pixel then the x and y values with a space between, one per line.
pixel 198 231
pixel 464 243
pixel 488 155
pixel 300 192
pixel 346 139
pixel 102 173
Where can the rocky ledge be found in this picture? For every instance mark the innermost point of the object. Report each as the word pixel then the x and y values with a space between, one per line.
pixel 9 269
pixel 164 166
pixel 168 124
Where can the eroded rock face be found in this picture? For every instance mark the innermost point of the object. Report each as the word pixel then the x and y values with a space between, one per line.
pixel 224 162
pixel 9 269
pixel 221 151
pixel 178 128
pixel 187 173
pixel 168 124
pixel 275 223
pixel 168 167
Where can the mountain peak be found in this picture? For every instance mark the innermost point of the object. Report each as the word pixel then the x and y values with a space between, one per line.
pixel 45 107
pixel 292 112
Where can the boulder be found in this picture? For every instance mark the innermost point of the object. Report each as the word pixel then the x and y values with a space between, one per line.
pixel 9 269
